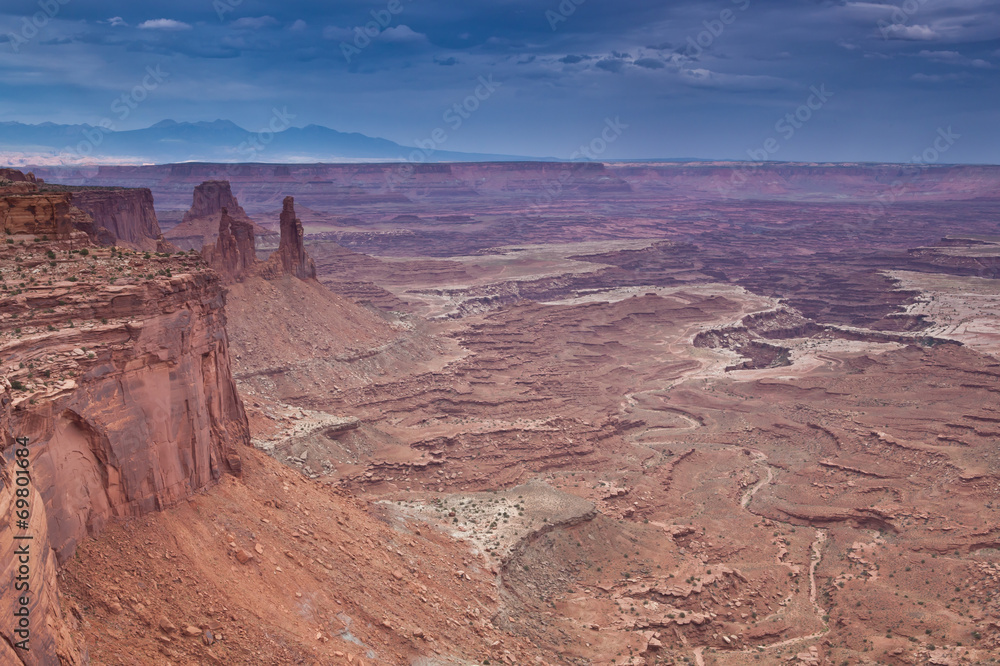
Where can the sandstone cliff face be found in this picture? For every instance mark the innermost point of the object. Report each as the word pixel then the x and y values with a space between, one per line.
pixel 116 368
pixel 233 254
pixel 126 215
pixel 145 417
pixel 49 638
pixel 24 211
pixel 211 197
pixel 201 223
pixel 122 216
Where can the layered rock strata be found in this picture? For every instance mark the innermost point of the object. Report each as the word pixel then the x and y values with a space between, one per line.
pixel 124 217
pixel 25 210
pixel 115 367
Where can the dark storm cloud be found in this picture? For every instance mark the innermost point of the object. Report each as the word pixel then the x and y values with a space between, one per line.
pixel 650 63
pixel 612 64
pixel 692 77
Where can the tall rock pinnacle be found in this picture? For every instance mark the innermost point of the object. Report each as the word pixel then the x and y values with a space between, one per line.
pixel 291 250
pixel 233 254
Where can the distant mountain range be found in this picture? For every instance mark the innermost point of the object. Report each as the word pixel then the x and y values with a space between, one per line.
pixel 218 141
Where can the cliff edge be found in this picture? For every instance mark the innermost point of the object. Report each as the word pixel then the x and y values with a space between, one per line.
pixel 116 373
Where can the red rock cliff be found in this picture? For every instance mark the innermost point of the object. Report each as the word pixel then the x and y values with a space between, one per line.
pixel 109 216
pixel 23 210
pixel 117 370
pixel 211 197
pixel 127 215
pixel 49 639
pixel 10 176
pixel 233 254
pixel 148 414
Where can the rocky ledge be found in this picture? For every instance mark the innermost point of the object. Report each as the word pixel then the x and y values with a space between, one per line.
pixel 115 367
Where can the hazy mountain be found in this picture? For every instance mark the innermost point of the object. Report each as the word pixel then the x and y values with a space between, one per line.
pixel 217 141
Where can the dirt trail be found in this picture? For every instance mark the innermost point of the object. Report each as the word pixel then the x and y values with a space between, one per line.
pixel 814 561
pixel 816 558
pixel 748 495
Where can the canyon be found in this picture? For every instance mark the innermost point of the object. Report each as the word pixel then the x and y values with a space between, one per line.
pixel 575 413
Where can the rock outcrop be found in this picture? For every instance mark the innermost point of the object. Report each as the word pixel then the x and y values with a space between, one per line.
pixel 211 197
pixel 234 257
pixel 202 221
pixel 107 216
pixel 233 254
pixel 290 257
pixel 125 217
pixel 148 414
pixel 25 210
pixel 116 369
pixel 19 180
pixel 16 176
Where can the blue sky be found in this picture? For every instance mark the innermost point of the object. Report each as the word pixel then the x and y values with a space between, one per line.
pixel 681 79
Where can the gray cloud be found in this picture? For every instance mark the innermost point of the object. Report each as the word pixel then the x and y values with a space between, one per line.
pixel 650 63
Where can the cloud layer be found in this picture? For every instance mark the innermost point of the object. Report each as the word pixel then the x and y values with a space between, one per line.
pixel 690 78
